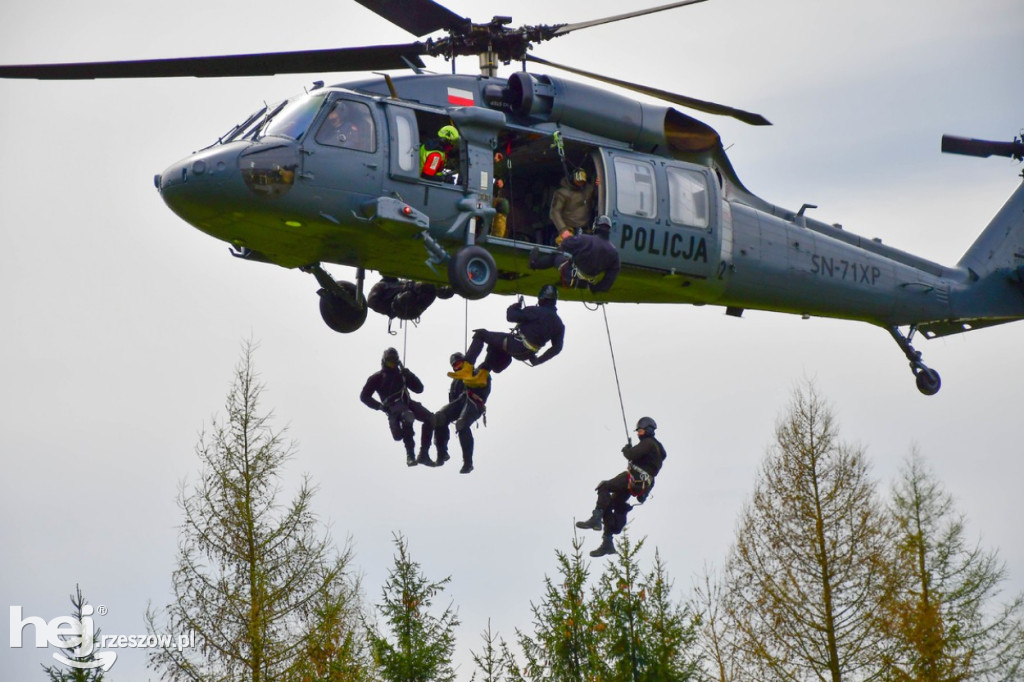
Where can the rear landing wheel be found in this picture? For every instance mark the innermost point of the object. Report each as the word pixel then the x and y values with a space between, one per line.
pixel 343 314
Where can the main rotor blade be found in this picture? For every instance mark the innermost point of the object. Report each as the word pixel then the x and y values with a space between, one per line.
pixel 370 58
pixel 688 102
pixel 418 17
pixel 562 30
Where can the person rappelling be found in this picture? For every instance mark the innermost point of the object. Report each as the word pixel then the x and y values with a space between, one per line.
pixel 465 405
pixel 392 385
pixel 644 463
pixel 536 325
pixel 585 261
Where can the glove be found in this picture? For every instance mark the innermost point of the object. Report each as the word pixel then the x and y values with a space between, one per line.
pixel 626 448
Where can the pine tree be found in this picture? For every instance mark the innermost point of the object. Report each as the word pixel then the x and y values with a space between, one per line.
pixel 643 635
pixel 421 644
pixel 943 619
pixel 564 643
pixel 807 573
pixel 78 650
pixel 250 571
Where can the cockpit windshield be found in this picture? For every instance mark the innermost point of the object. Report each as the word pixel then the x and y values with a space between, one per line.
pixel 292 119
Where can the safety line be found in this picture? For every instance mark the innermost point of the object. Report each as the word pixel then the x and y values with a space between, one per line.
pixel 618 386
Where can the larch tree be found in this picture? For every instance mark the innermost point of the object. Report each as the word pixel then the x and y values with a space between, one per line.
pixel 250 570
pixel 414 644
pixel 944 620
pixel 807 572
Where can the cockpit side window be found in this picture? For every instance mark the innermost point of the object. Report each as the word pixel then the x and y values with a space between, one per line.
pixel 349 125
pixel 688 197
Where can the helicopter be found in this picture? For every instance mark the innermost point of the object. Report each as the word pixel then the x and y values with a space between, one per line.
pixel 687 229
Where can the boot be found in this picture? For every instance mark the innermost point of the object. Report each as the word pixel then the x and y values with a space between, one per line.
pixel 467 466
pixel 478 380
pixel 442 457
pixel 424 458
pixel 465 372
pixel 410 458
pixel 594 522
pixel 607 547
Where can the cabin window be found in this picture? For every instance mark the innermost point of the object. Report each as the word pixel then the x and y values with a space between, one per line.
pixel 406 155
pixel 688 197
pixel 636 193
pixel 294 118
pixel 349 125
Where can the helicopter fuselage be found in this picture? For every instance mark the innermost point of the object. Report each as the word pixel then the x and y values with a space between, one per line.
pixel 288 191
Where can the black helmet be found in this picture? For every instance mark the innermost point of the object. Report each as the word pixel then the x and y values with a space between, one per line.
pixel 390 357
pixel 603 224
pixel 548 292
pixel 647 424
pixel 455 358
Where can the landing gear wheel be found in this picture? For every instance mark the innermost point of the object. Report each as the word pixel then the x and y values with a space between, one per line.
pixel 472 272
pixel 928 381
pixel 338 311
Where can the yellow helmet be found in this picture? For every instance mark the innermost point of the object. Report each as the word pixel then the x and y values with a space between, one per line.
pixel 579 176
pixel 449 133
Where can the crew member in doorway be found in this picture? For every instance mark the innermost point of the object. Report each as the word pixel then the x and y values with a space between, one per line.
pixel 584 260
pixel 436 152
pixel 536 325
pixel 645 460
pixel 392 385
pixel 465 406
pixel 572 204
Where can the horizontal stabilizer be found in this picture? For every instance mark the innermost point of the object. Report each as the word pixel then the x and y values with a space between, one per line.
pixel 983 148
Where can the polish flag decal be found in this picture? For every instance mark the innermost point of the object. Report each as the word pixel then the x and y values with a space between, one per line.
pixel 460 98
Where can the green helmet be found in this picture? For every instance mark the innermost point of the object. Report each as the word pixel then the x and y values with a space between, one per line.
pixel 449 133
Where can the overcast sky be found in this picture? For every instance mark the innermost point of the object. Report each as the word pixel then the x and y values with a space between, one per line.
pixel 122 324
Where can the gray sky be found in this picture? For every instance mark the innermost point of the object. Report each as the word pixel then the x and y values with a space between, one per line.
pixel 122 324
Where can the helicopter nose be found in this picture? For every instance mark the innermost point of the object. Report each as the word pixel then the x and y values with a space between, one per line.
pixel 203 186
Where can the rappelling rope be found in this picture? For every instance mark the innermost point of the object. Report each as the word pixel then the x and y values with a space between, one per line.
pixel 615 369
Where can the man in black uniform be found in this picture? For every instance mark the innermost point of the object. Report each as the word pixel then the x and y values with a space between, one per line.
pixel 465 406
pixel 536 325
pixel 645 460
pixel 392 385
pixel 403 298
pixel 585 261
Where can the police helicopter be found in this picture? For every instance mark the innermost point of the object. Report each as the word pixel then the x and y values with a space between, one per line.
pixel 287 186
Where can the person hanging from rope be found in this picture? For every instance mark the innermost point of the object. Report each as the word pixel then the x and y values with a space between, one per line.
pixel 465 406
pixel 645 460
pixel 572 204
pixel 583 260
pixel 536 325
pixel 404 298
pixel 392 385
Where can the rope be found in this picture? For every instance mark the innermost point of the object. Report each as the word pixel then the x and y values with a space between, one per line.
pixel 615 369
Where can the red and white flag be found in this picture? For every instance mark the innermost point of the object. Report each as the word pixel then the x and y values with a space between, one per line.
pixel 460 98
